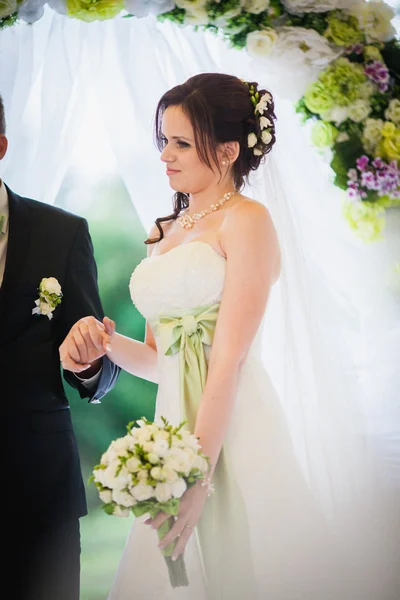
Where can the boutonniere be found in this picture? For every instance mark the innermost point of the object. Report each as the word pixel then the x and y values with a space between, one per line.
pixel 50 295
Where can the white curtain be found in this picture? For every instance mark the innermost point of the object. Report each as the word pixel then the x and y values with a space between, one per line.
pixel 332 336
pixel 42 77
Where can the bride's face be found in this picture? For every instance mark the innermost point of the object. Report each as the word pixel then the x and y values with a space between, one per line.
pixel 186 172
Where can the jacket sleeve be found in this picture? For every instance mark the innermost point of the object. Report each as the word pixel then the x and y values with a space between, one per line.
pixel 81 298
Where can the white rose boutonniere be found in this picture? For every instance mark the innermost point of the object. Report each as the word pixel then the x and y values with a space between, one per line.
pixel 50 295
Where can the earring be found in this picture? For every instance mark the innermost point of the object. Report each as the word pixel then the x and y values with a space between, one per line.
pixel 224 162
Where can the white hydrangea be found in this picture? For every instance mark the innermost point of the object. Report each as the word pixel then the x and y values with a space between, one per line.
pixel 359 110
pixel 372 134
pixel 392 113
pixel 294 60
pixel 336 115
pixel 306 6
pixel 255 7
pixel 374 18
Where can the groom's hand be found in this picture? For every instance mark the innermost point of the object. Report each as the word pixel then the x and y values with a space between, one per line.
pixel 84 347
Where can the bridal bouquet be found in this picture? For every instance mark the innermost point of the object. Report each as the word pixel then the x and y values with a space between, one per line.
pixel 147 471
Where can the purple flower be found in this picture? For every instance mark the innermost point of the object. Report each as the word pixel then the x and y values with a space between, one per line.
pixel 378 176
pixel 378 163
pixel 362 162
pixel 352 174
pixel 378 72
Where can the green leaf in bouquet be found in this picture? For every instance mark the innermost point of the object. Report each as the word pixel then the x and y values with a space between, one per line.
pixel 302 110
pixel 345 156
pixel 108 508
pixel 391 56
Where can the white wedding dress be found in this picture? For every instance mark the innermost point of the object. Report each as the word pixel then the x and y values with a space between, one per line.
pixel 261 536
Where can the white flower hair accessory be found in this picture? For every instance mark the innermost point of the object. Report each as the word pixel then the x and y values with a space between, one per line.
pixel 50 295
pixel 262 103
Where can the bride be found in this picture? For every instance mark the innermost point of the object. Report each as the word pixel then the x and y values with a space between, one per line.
pixel 210 268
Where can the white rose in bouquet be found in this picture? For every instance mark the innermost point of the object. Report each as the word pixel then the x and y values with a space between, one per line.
pixel 123 498
pixel 148 471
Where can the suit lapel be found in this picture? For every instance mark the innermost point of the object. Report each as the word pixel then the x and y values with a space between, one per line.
pixel 19 233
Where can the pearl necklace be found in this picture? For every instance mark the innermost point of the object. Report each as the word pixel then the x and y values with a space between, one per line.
pixel 188 221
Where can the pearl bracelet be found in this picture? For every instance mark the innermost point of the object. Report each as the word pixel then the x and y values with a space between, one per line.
pixel 206 482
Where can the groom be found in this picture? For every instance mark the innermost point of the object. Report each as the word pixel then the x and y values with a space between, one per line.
pixel 43 492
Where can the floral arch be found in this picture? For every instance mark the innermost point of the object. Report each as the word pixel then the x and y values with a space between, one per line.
pixel 342 58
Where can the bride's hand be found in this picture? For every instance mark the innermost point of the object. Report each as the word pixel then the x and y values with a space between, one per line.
pixel 190 508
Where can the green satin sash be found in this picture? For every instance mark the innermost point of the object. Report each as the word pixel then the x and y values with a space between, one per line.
pixel 185 332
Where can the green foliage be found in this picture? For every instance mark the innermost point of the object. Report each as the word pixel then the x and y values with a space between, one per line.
pixel 317 21
pixel 9 21
pixel 302 110
pixel 343 160
pixel 176 15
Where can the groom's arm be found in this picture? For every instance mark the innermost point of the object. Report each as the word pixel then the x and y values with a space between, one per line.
pixel 81 298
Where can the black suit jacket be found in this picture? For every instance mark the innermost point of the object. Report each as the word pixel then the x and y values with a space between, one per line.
pixel 41 451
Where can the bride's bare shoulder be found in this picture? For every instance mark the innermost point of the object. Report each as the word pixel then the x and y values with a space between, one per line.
pixel 247 209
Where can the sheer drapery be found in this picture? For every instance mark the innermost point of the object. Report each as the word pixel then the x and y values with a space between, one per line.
pixel 332 334
pixel 42 82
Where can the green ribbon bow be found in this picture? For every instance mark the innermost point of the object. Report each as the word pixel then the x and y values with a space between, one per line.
pixel 185 332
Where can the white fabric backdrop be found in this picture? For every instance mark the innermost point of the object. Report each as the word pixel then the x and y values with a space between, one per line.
pixel 332 335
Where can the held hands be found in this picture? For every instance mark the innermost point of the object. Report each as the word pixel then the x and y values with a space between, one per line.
pixel 190 508
pixel 86 343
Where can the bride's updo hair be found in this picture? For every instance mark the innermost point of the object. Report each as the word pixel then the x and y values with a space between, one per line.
pixel 220 109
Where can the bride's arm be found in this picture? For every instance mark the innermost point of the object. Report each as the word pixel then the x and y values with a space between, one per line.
pixel 250 243
pixel 137 358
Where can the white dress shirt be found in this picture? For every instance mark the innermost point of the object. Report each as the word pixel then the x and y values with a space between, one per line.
pixel 3 252
pixel 4 229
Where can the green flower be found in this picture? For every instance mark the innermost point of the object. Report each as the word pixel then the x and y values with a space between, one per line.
pixel 343 81
pixel 323 134
pixel 389 146
pixel 366 219
pixel 94 10
pixel 372 53
pixel 343 30
pixel 317 98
